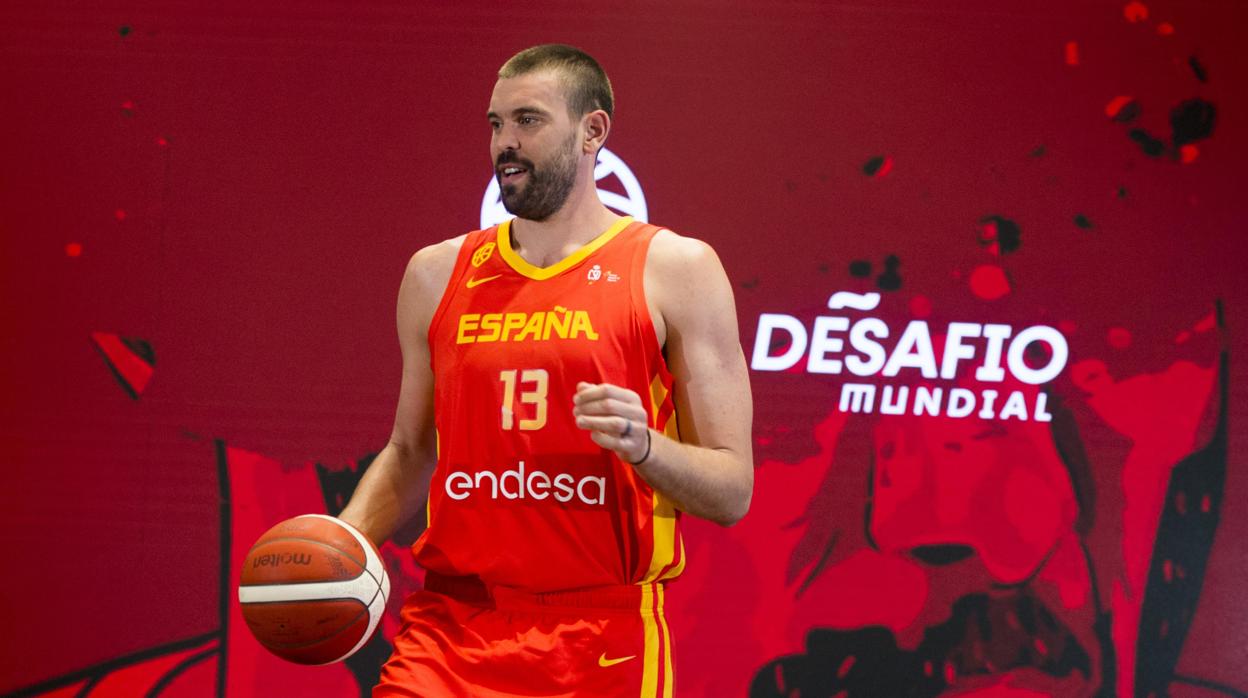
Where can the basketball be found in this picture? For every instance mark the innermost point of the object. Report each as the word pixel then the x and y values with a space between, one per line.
pixel 313 589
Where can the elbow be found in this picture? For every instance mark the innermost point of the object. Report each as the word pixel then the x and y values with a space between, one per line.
pixel 737 508
pixel 729 518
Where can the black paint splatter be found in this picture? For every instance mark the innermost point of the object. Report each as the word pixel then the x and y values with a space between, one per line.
pixel 141 348
pixel 124 30
pixel 890 280
pixel 860 268
pixel 1128 113
pixel 1122 192
pixel 1197 69
pixel 1151 146
pixel 1002 231
pixel 873 165
pixel 1039 152
pixel 749 283
pixel 1082 221
pixel 1192 120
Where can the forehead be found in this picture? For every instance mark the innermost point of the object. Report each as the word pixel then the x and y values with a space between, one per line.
pixel 542 90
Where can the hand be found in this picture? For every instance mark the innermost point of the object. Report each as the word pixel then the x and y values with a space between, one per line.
pixel 614 418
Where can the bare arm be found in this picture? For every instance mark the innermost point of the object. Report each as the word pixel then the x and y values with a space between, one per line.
pixel 710 472
pixel 396 485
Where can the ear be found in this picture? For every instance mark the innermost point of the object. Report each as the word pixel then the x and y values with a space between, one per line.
pixel 597 125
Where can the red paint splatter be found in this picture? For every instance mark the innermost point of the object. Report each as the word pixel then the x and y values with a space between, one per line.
pixel 1042 648
pixel 1068 327
pixel 1165 29
pixel 989 282
pixel 1119 337
pixel 764 441
pixel 1205 504
pixel 1180 503
pixel 1182 337
pixel 1188 153
pixel 951 674
pixel 846 665
pixel 1116 104
pixel 1072 53
pixel 920 306
pixel 927 668
pixel 119 214
pixel 1135 11
pixel 1206 323
pixel 162 141
pixel 73 249
pixel 885 167
pixel 1167 571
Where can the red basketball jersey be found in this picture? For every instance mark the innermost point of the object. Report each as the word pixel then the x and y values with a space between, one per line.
pixel 521 497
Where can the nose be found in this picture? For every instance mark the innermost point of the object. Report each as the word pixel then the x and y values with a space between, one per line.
pixel 506 138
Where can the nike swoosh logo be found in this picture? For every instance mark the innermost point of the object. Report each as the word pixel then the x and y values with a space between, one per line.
pixel 604 662
pixel 478 282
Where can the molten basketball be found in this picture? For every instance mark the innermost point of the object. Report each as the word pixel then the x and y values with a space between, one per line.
pixel 313 589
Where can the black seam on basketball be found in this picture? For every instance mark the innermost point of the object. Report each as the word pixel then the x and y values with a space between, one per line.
pixel 327 638
pixel 362 565
pixel 375 579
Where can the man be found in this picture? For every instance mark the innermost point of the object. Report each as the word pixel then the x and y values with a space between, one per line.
pixel 562 401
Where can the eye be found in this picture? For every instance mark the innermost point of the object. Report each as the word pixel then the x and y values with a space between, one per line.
pixel 528 120
pixel 495 125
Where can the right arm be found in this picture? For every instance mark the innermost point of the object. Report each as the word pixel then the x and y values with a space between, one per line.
pixel 396 484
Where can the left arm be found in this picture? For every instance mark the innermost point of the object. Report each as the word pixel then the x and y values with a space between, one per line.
pixel 710 472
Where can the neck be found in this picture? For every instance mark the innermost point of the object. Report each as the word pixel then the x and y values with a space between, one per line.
pixel 582 218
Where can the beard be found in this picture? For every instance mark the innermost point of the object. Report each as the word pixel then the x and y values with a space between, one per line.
pixel 546 190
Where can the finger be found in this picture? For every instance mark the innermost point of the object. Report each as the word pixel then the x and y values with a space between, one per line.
pixel 611 406
pixel 613 425
pixel 588 392
pixel 607 441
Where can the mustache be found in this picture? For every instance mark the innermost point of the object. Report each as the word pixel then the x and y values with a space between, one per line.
pixel 983 636
pixel 508 157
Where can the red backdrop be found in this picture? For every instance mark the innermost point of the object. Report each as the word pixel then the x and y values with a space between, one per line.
pixel 207 214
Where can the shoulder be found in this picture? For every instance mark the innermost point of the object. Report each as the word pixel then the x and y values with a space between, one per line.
pixel 678 264
pixel 430 267
pixel 680 268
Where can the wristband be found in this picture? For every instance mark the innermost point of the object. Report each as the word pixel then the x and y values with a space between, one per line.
pixel 641 460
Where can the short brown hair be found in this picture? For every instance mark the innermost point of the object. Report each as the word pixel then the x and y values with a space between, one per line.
pixel 585 83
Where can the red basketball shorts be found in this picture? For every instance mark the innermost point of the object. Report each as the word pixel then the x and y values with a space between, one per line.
pixel 460 639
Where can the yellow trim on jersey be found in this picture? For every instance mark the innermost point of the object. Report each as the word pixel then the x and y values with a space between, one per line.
pixel 668 678
pixel 515 261
pixel 663 517
pixel 437 455
pixel 654 627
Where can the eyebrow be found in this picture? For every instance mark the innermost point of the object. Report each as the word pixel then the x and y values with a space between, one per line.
pixel 520 111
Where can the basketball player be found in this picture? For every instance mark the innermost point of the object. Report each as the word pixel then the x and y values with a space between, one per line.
pixel 572 382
